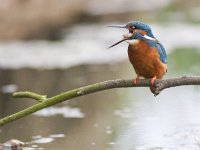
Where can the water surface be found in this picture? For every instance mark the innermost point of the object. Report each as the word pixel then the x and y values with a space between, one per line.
pixel 117 119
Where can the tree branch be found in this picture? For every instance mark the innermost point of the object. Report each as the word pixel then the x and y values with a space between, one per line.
pixel 119 83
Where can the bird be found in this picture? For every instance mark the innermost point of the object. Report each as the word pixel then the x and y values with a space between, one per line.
pixel 146 54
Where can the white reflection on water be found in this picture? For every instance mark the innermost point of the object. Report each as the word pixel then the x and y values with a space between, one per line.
pixel 38 139
pixel 10 88
pixel 87 44
pixel 57 135
pixel 66 112
pixel 43 140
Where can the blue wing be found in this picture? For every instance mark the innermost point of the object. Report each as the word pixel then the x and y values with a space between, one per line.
pixel 161 52
pixel 160 49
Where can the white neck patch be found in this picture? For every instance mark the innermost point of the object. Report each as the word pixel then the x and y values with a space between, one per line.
pixel 149 38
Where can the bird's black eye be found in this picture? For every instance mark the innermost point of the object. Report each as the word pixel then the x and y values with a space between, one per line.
pixel 131 29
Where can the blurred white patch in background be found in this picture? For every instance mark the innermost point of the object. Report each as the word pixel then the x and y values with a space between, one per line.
pixel 87 44
pixel 10 88
pixel 66 112
pixel 96 7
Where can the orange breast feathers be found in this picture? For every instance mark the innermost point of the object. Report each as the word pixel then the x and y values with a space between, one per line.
pixel 145 60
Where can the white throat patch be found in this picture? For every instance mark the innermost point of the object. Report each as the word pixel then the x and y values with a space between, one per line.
pixel 132 42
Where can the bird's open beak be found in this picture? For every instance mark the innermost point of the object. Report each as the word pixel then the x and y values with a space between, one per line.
pixel 117 26
pixel 124 39
pixel 125 36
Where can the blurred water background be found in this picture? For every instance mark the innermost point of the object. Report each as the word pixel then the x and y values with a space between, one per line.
pixel 51 47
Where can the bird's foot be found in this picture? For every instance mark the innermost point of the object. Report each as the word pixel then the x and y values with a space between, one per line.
pixel 152 88
pixel 135 80
pixel 152 80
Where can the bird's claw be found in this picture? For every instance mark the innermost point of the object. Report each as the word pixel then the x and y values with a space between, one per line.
pixel 135 80
pixel 152 81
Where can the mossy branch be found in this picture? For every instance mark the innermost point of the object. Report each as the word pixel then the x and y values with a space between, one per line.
pixel 119 83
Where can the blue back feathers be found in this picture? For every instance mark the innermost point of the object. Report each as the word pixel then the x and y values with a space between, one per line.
pixel 151 43
pixel 161 52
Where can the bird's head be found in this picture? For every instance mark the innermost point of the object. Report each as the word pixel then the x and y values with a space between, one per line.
pixel 135 28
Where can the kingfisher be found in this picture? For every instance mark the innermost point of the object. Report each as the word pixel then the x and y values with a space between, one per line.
pixel 146 54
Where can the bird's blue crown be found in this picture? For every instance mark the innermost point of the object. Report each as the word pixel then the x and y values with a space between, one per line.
pixel 141 26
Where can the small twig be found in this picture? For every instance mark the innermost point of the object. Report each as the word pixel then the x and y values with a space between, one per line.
pixel 120 83
pixel 28 94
